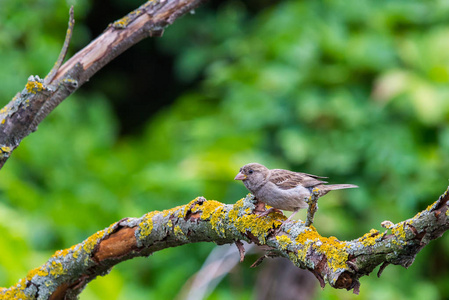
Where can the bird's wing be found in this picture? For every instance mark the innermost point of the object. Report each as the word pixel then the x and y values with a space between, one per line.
pixel 285 179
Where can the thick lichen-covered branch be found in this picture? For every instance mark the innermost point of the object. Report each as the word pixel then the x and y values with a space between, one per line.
pixel 339 263
pixel 26 110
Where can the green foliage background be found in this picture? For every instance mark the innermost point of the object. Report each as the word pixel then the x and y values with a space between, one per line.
pixel 355 90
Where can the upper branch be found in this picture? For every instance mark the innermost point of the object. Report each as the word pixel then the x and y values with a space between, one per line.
pixel 340 263
pixel 27 109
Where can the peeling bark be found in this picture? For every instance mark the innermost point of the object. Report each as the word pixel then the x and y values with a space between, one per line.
pixel 338 263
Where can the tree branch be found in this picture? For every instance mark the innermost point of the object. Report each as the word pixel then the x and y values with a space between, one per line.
pixel 27 109
pixel 339 263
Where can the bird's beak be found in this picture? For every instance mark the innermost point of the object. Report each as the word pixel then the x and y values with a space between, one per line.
pixel 240 176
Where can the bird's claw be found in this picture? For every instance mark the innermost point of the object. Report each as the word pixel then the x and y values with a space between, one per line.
pixel 271 209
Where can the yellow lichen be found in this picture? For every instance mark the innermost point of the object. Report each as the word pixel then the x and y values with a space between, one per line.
pixel 178 231
pixel 207 208
pixel 369 239
pixel 427 210
pixel 5 149
pixel 234 212
pixel 430 207
pixel 399 232
pixel 146 226
pixel 39 271
pixel 17 291
pixel 14 292
pixel 284 241
pixel 217 220
pixel 76 251
pixel 211 210
pixel 335 250
pixel 124 22
pixel 63 253
pixel 56 268
pixel 33 86
pixel 309 234
pixel 259 227
pixel 91 242
pixel 170 211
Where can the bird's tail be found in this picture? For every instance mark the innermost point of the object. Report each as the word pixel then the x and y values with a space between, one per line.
pixel 330 187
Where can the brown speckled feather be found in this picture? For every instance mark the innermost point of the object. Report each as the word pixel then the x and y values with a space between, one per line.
pixel 285 179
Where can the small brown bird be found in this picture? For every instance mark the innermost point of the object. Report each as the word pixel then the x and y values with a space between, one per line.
pixel 284 189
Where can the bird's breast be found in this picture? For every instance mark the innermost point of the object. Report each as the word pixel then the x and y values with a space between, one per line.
pixel 290 199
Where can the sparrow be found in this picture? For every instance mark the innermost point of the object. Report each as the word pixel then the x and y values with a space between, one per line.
pixel 284 189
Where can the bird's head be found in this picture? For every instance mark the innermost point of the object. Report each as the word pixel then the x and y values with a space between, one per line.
pixel 253 175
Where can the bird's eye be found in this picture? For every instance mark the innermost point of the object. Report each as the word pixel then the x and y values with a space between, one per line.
pixel 250 172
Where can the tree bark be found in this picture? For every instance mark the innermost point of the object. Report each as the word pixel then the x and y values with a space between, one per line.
pixel 28 108
pixel 339 263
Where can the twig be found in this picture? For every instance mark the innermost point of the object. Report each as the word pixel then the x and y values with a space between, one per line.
pixel 241 249
pixel 313 207
pixel 48 79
